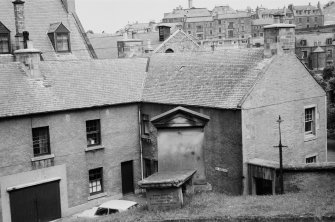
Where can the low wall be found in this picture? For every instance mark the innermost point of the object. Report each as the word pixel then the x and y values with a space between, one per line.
pixel 309 177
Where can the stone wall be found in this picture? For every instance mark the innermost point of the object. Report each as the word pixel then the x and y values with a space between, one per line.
pixel 309 178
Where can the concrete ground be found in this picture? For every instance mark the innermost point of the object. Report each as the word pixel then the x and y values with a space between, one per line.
pixel 331 149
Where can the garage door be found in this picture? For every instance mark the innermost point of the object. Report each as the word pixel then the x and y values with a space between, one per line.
pixel 36 204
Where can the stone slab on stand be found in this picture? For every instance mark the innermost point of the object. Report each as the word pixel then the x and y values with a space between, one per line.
pixel 165 190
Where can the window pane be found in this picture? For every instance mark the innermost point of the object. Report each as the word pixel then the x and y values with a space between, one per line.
pixel 309 121
pixel 41 144
pixel 62 42
pixel 4 44
pixel 95 181
pixel 93 132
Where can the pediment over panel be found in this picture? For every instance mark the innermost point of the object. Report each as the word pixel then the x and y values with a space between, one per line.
pixel 180 117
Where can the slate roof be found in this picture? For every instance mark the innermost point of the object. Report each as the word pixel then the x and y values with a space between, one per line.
pixel 234 15
pixel 263 21
pixel 70 85
pixel 39 15
pixel 200 19
pixel 220 79
pixel 105 45
pixel 216 79
pixel 193 12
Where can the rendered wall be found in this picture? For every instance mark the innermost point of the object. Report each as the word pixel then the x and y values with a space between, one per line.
pixel 120 142
pixel 287 89
pixel 221 148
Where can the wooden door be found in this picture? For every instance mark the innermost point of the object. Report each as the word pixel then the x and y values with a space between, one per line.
pixel 127 176
pixel 36 204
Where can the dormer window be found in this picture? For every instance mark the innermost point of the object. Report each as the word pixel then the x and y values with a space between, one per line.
pixel 60 37
pixel 4 39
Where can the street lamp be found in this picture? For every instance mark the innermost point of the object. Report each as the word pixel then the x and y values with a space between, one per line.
pixel 280 146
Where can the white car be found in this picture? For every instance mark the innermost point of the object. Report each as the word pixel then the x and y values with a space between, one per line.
pixel 110 207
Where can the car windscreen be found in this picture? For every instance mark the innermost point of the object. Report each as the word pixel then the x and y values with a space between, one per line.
pixel 101 211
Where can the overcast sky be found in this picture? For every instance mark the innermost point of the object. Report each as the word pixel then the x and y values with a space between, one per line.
pixel 111 15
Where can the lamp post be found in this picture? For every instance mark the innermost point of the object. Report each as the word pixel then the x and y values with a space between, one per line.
pixel 280 146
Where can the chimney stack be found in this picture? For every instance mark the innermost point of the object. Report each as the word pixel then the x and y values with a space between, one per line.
pixel 70 5
pixel 190 3
pixel 279 39
pixel 19 22
pixel 31 58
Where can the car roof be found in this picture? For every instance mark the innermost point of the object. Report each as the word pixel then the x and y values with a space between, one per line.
pixel 118 204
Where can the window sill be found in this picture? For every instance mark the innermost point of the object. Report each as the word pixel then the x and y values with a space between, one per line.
pixel 96 196
pixel 309 138
pixel 45 157
pixel 94 148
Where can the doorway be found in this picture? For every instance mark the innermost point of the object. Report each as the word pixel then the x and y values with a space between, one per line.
pixel 127 176
pixel 36 203
pixel 263 186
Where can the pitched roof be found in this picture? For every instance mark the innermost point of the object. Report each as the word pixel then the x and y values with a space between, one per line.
pixel 70 85
pixel 39 15
pixel 263 21
pixel 105 45
pixel 200 19
pixel 215 79
pixel 220 79
pixel 304 7
pixel 181 37
pixel 192 12
pixel 234 15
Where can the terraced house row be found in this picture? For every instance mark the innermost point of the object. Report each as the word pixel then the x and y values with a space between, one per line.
pixel 225 24
pixel 77 131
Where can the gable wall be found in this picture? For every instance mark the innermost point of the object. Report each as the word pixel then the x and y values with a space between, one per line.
pixel 285 90
pixel 179 43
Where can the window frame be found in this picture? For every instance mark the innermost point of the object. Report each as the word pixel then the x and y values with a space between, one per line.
pixel 145 124
pixel 310 159
pixel 68 41
pixel 44 129
pixel 91 132
pixel 303 42
pixel 329 41
pixel 53 34
pixel 8 43
pixel 313 121
pixel 92 173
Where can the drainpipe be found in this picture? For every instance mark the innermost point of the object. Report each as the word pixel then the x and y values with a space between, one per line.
pixel 140 137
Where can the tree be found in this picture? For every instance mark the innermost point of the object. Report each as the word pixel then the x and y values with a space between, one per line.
pixel 328 73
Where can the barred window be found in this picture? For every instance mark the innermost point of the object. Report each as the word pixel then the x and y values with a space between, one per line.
pixel 93 133
pixel 41 141
pixel 95 181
